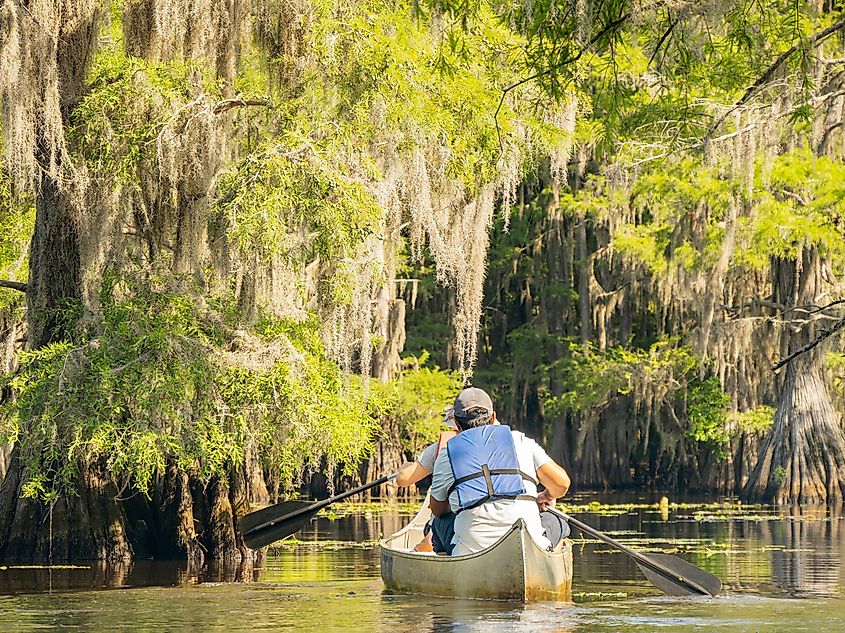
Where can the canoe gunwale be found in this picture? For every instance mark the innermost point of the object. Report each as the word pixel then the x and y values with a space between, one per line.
pixel 523 572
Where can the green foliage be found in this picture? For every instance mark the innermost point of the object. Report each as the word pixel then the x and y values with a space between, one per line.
pixel 17 220
pixel 115 126
pixel 421 394
pixel 294 204
pixel 592 378
pixel 680 219
pixel 801 203
pixel 157 386
pixel 377 58
pixel 274 194
pixel 707 409
pixel 664 373
pixel 428 334
pixel 757 420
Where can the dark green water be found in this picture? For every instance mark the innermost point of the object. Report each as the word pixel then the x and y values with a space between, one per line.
pixel 780 572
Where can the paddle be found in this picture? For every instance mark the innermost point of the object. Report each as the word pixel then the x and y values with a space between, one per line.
pixel 672 575
pixel 274 523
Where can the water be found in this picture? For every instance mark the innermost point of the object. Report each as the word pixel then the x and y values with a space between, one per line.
pixel 780 571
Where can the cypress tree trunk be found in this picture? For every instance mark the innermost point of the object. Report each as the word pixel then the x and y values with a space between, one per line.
pixel 803 458
pixel 86 526
pixel 185 519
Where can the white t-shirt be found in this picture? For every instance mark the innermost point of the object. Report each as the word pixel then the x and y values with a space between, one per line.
pixel 483 525
pixel 427 457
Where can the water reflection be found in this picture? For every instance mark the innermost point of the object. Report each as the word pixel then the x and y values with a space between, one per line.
pixel 330 582
pixel 810 561
pixel 16 579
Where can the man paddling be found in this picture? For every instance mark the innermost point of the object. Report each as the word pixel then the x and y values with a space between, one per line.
pixel 412 472
pixel 488 477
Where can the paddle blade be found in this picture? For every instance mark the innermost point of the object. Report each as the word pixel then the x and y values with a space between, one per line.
pixel 249 521
pixel 278 531
pixel 677 583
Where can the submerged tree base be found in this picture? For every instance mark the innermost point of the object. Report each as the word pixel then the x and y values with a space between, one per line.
pixel 184 520
pixel 803 459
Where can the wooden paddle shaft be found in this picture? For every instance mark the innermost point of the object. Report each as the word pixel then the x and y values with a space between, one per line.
pixel 637 556
pixel 316 507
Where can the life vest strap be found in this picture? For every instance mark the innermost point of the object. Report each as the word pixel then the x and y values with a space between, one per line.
pixel 497 498
pixel 486 473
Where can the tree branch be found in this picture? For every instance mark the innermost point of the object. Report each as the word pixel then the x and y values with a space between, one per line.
pixel 14 285
pixel 815 342
pixel 227 104
pixel 662 40
pixel 753 89
pixel 608 28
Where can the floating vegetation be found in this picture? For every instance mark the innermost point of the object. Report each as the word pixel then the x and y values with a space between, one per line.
pixel 598 595
pixel 17 567
pixel 294 543
pixel 615 509
pixel 351 508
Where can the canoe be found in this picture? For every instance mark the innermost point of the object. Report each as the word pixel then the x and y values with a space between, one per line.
pixel 513 568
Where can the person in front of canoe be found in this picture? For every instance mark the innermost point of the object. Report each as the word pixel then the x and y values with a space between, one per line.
pixel 412 472
pixel 487 478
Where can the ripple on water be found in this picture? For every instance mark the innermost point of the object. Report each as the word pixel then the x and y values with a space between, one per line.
pixel 781 572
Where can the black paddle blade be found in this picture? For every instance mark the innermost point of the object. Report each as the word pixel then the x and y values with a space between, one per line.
pixel 249 521
pixel 279 530
pixel 683 579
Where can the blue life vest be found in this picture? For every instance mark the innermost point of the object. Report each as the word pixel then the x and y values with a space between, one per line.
pixel 485 466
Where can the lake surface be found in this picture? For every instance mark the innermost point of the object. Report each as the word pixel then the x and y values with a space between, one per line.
pixel 780 570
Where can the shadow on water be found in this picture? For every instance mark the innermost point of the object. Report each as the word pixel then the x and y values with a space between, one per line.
pixel 21 578
pixel 327 579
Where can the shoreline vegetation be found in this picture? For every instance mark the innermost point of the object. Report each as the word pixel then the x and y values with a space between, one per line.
pixel 249 251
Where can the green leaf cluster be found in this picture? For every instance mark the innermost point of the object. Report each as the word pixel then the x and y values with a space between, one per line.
pixel 799 202
pixel 421 394
pixel 592 378
pixel 162 383
pixel 757 420
pixel 707 410
pixel 115 125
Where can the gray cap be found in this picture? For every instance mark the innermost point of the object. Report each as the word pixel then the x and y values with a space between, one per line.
pixel 471 398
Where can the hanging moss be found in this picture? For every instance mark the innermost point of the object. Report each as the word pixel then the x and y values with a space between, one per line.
pixel 167 381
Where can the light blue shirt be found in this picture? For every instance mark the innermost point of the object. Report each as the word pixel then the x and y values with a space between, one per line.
pixel 480 527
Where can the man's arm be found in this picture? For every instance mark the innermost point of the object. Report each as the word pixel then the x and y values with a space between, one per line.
pixel 439 508
pixel 554 478
pixel 410 473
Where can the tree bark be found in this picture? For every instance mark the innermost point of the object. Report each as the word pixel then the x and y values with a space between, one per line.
pixel 85 526
pixel 803 458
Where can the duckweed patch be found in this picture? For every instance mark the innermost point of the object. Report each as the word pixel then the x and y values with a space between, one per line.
pixel 294 543
pixel 375 508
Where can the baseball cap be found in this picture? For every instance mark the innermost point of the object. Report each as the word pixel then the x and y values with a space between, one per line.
pixel 472 398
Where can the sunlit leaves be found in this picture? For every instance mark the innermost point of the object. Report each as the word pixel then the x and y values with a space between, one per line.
pixel 156 387
pixel 800 203
pixel 707 409
pixel 593 378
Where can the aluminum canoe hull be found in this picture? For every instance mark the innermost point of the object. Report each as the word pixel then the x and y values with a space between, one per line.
pixel 513 568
